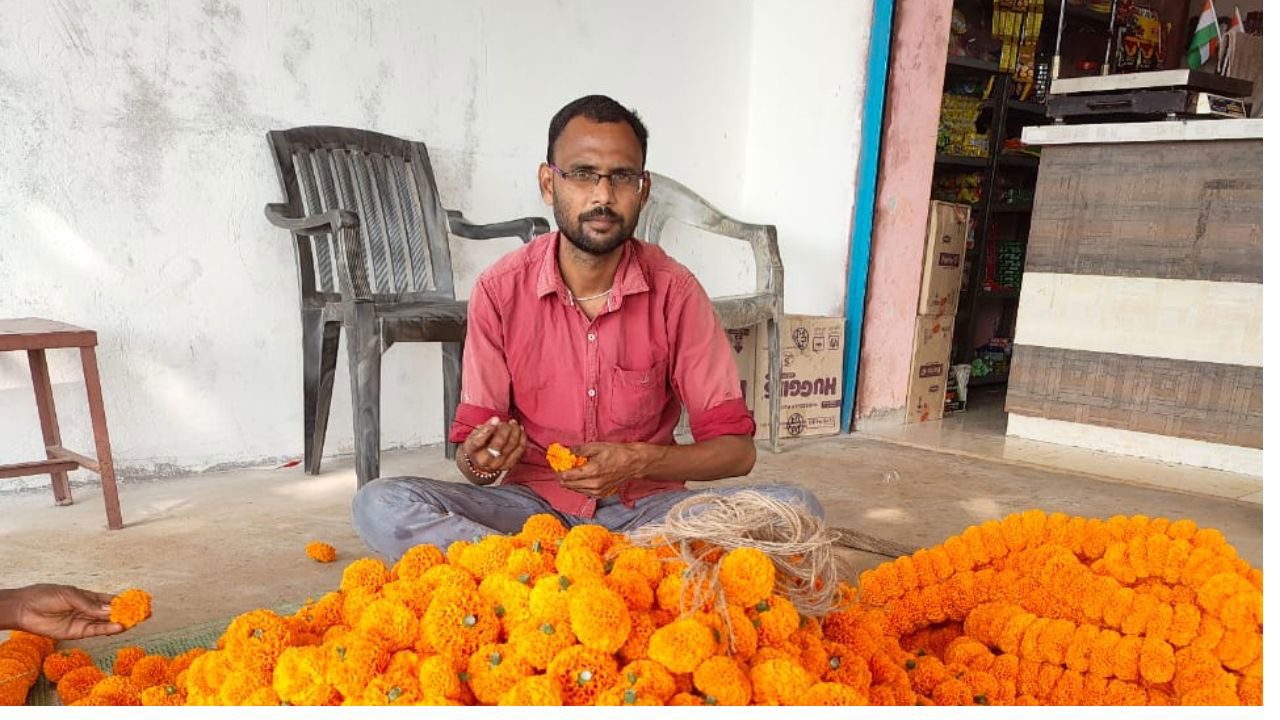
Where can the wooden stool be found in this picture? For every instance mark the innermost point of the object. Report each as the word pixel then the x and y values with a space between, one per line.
pixel 36 335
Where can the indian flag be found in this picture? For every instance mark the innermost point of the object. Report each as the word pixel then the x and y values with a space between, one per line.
pixel 1205 42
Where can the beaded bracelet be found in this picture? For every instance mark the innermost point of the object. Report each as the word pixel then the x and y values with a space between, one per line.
pixel 485 475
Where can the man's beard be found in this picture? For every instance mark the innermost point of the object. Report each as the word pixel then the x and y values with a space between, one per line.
pixel 588 242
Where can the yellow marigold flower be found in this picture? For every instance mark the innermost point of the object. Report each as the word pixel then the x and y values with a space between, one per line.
pixel 595 538
pixel 392 688
pixel 747 576
pixel 321 552
pixel 583 673
pixel 538 642
pixel 125 658
pixel 544 529
pixel 459 621
pixel 77 683
pixel 163 695
pixel 255 639
pixel 780 682
pixel 64 661
pixel 832 694
pixel 494 669
pixel 722 682
pixel 367 573
pixel 301 676
pixel 579 563
pixel 239 686
pixel 453 553
pixel 321 614
pixel 599 618
pixel 682 645
pixel 549 599
pixel 447 576
pixel 150 671
pixel 442 675
pixel 393 624
pixel 509 598
pixel 527 565
pixel 354 603
pixel 775 618
pixel 131 607
pixel 648 678
pixel 262 697
pixel 416 561
pixel 533 690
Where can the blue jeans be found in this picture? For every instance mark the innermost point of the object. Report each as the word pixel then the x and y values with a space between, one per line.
pixel 393 514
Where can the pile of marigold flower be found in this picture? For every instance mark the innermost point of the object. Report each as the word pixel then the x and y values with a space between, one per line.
pixel 22 656
pixel 1033 609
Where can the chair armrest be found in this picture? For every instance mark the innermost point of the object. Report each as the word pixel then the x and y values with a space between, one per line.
pixel 524 228
pixel 326 222
pixel 344 225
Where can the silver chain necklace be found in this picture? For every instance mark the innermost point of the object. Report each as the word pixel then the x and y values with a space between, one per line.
pixel 591 297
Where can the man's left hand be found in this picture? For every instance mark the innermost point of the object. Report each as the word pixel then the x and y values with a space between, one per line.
pixel 609 465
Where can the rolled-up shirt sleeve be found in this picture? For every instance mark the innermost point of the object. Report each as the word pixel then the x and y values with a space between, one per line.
pixel 703 371
pixel 486 380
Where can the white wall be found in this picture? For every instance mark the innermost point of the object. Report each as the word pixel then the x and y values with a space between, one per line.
pixel 134 170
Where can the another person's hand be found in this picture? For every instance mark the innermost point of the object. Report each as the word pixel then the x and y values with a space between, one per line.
pixel 61 612
pixel 495 445
pixel 609 465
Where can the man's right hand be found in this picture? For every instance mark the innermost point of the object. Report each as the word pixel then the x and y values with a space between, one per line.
pixel 493 446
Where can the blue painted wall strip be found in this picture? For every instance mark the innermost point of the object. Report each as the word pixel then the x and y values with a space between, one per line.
pixel 865 199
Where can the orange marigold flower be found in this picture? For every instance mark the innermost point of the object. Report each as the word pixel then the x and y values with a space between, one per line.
pixel 682 645
pixel 636 647
pixel 118 689
pixel 747 576
pixel 579 563
pixel 352 661
pixel 77 683
pixel 642 561
pixel 416 561
pixel 635 591
pixel 64 661
pixel 832 694
pixel 459 621
pixel 163 695
pixel 442 675
pixel 533 690
pixel 648 678
pixel 775 618
pixel 780 682
pixel 367 573
pixel 527 565
pixel 392 623
pixel 239 686
pixel 600 618
pixel 494 669
pixel 583 673
pixel 125 658
pixel 509 598
pixel 262 697
pixel 131 607
pixel 322 552
pixel 549 598
pixel 595 538
pixel 487 556
pixel 538 642
pixel 150 671
pixel 722 682
pixel 545 529
pixel 561 459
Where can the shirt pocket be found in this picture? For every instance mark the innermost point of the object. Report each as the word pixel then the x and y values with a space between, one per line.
pixel 638 396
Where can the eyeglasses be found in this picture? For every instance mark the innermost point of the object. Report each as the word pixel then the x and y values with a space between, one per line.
pixel 621 180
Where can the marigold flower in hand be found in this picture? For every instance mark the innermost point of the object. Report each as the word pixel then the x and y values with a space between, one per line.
pixel 131 607
pixel 562 459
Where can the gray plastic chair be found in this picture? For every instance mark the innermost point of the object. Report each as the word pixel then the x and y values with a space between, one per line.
pixel 372 243
pixel 669 200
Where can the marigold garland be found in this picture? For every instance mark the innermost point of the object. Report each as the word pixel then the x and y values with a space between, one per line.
pixel 1033 609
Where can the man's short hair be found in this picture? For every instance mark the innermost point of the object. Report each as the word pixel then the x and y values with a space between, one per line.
pixel 601 109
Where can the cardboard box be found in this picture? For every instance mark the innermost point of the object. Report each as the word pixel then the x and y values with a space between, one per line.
pixel 927 389
pixel 742 342
pixel 812 377
pixel 944 258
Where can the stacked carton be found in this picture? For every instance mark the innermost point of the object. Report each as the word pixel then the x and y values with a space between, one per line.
pixel 936 314
pixel 812 350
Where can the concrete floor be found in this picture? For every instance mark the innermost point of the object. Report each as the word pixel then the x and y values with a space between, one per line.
pixel 214 545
